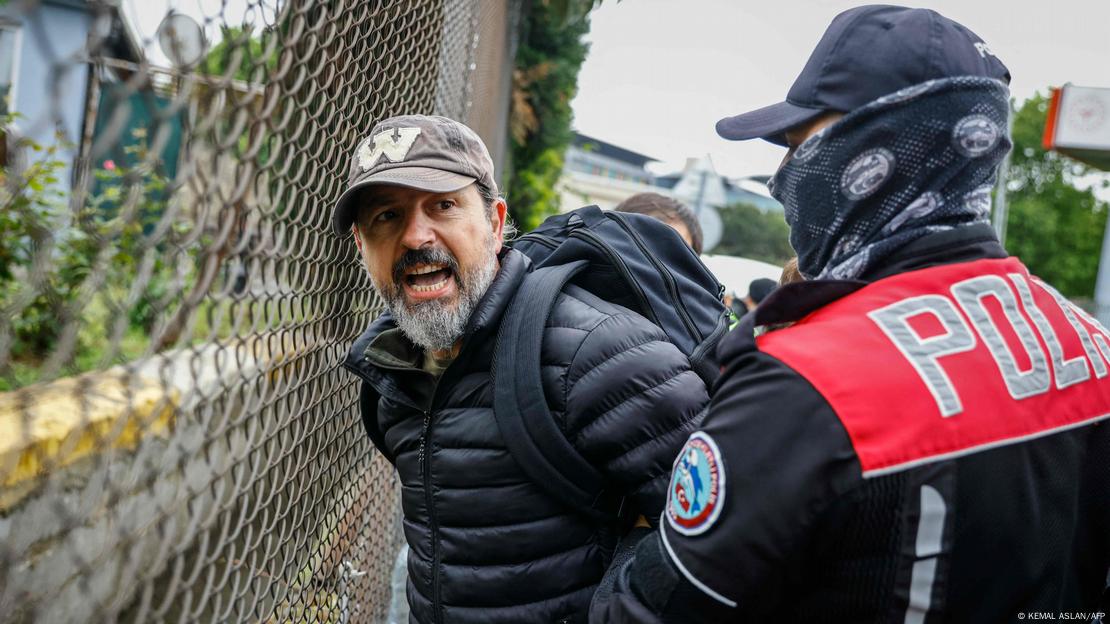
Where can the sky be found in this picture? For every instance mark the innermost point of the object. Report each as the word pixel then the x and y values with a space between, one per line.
pixel 660 73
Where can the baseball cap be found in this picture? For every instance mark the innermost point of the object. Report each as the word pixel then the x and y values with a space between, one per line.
pixel 422 152
pixel 866 53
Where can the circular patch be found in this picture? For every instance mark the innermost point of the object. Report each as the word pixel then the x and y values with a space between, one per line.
pixel 809 147
pixel 847 245
pixel 697 490
pixel 975 135
pixel 852 267
pixel 979 201
pixel 867 173
pixel 925 205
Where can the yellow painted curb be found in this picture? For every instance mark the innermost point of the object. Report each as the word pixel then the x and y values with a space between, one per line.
pixel 49 426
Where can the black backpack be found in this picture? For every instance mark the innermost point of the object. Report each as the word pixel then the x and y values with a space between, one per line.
pixel 629 259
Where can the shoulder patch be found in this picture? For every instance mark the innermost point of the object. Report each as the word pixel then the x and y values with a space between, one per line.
pixel 696 493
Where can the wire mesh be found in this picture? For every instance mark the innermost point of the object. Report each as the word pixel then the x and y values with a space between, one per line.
pixel 176 441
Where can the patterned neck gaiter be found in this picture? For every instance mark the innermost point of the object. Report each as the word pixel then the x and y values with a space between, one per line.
pixel 918 161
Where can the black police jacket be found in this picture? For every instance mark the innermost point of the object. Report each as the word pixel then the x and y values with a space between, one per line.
pixel 487 545
pixel 887 467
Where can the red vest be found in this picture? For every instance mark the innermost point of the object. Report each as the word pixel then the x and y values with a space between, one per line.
pixel 951 360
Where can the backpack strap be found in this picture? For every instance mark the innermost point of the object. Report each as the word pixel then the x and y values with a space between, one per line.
pixel 368 407
pixel 519 404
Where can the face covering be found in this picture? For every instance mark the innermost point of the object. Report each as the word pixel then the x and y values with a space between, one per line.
pixel 915 162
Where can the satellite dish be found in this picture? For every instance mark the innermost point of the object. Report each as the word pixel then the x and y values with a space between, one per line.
pixel 181 39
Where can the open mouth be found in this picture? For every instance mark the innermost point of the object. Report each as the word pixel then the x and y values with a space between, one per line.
pixel 428 278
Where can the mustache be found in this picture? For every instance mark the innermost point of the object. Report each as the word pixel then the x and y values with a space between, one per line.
pixel 430 255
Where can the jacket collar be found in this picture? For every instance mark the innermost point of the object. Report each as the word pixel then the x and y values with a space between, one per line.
pixel 792 302
pixel 973 242
pixel 487 314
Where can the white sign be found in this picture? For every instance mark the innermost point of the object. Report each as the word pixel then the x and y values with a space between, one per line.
pixel 1083 118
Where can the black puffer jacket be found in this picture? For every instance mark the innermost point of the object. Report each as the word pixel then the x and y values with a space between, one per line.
pixel 486 544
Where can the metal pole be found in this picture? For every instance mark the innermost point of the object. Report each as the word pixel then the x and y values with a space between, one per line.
pixel 1000 204
pixel 1102 282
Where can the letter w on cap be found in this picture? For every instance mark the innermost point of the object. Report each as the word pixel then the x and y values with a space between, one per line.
pixel 394 144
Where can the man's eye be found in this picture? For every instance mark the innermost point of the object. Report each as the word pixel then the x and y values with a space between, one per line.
pixel 446 204
pixel 385 215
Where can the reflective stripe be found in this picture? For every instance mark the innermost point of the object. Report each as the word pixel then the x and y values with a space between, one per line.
pixel 923 354
pixel 930 528
pixel 1068 372
pixel 869 474
pixel 1088 341
pixel 921 590
pixel 930 536
pixel 690 577
pixel 971 295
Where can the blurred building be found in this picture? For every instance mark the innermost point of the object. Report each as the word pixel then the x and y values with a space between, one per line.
pixel 598 172
pixel 51 99
pixel 699 179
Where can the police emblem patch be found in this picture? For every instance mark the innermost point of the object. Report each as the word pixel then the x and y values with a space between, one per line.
pixel 810 146
pixel 866 173
pixel 697 490
pixel 975 135
pixel 852 267
pixel 923 206
pixel 979 201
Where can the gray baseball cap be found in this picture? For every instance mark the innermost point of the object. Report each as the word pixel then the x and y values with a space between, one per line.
pixel 427 153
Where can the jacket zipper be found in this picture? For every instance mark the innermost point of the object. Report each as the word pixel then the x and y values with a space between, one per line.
pixel 424 464
pixel 546 241
pixel 426 475
pixel 672 288
pixel 618 262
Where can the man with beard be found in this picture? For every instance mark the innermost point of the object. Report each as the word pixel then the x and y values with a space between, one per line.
pixel 925 441
pixel 487 544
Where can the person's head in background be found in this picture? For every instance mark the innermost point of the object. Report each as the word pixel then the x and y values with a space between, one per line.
pixel 670 211
pixel 790 272
pixel 735 304
pixel 758 291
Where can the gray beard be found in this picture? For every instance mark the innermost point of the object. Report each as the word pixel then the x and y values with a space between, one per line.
pixel 436 325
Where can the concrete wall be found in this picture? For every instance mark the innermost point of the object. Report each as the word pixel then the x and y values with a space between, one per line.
pixel 156 478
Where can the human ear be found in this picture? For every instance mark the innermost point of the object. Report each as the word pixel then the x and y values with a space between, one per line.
pixel 358 239
pixel 497 221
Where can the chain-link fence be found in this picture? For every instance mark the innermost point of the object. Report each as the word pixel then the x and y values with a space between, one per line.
pixel 176 441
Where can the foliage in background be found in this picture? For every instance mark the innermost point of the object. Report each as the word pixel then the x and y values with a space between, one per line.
pixel 545 80
pixel 1053 226
pixel 47 254
pixel 242 54
pixel 753 233
pixel 126 215
pixel 31 212
pixel 248 57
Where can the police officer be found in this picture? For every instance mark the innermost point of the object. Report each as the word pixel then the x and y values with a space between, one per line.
pixel 927 440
